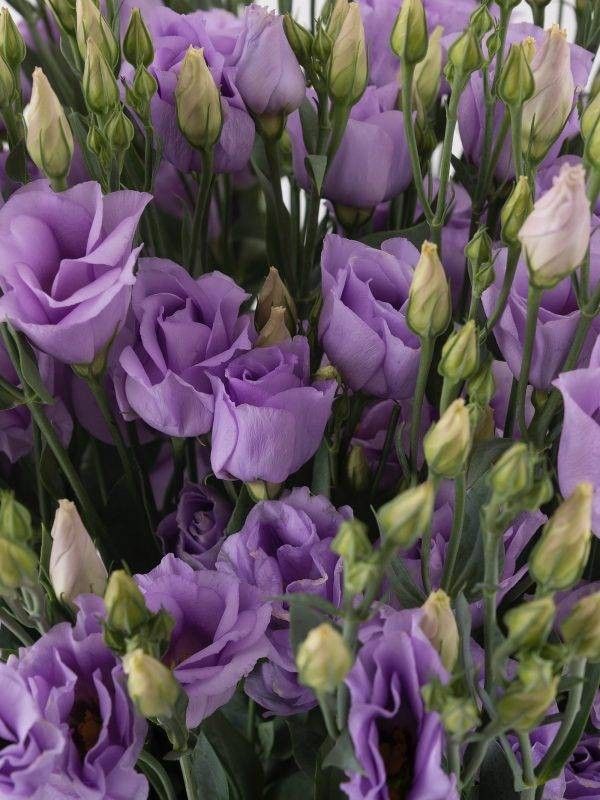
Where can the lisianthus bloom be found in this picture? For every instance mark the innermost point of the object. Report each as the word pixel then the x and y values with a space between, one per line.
pixel 269 418
pixel 284 548
pixel 196 530
pixel 582 771
pixel 31 746
pixel 363 326
pixel 186 331
pixel 172 35
pixel 219 632
pixel 398 744
pixel 78 685
pixel 356 179
pixel 67 266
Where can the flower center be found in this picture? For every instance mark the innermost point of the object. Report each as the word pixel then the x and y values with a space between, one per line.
pixel 85 723
pixel 396 748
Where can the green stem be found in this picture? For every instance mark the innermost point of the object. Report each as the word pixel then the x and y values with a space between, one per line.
pixel 454 757
pixel 516 126
pixel 490 589
pixel 527 765
pixel 475 762
pixel 426 547
pixel 283 220
pixel 41 491
pixel 389 439
pixel 449 389
pixel 411 140
pixel 427 348
pixel 185 762
pixel 507 282
pixel 539 13
pixel 457 526
pixel 593 187
pixel 458 85
pixel 198 250
pixel 534 300
pixel 18 631
pixel 156 774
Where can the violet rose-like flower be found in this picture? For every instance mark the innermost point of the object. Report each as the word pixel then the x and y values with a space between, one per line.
pixel 219 632
pixel 582 770
pixel 269 418
pixel 397 742
pixel 363 326
pixel 78 685
pixel 196 530
pixel 284 548
pixel 67 266
pixel 187 330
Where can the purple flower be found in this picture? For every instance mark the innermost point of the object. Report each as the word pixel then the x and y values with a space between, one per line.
pixel 188 330
pixel 219 632
pixel 67 266
pixel 31 746
pixel 363 326
pixel 79 687
pixel 398 744
pixel 284 548
pixel 269 418
pixel 355 178
pixel 172 34
pixel 267 73
pixel 195 531
pixel 582 771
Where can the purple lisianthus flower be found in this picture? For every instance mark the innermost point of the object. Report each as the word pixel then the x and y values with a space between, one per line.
pixel 67 266
pixel 219 632
pixel 187 330
pixel 172 34
pixel 397 742
pixel 355 179
pixel 582 771
pixel 195 531
pixel 284 548
pixel 363 326
pixel 79 686
pixel 30 746
pixel 269 418
pixel 267 73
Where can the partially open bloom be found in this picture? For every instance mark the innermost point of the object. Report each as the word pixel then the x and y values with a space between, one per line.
pixel 49 137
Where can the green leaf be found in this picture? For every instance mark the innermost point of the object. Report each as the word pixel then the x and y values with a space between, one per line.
pixel 321 473
pixel 297 786
pixel 417 235
pixel 303 618
pixel 496 778
pixel 15 162
pixel 209 774
pixel 316 167
pixel 237 756
pixel 157 776
pixel 403 585
pixel 483 455
pixel 310 125
pixel 29 369
pixel 307 735
pixel 342 755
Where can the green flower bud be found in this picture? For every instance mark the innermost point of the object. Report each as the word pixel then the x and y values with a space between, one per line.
pixel 348 68
pixel 428 74
pixel 479 250
pixel 481 386
pixel 439 625
pixel 322 45
pixel 448 442
pixel 515 211
pixel 198 102
pixel 328 373
pixel 590 130
pixel 137 44
pixel 516 79
pixel 152 686
pixel 142 91
pixel 272 293
pixel 559 558
pixel 262 490
pixel 323 659
pixel 18 566
pixel 126 609
pixel 15 519
pixel 513 473
pixel 530 623
pixel 358 469
pixel 358 576
pixel 527 699
pixel 481 21
pixel 405 518
pixel 300 40
pixel 429 302
pixel 581 629
pixel 98 144
pixel 49 138
pixel 351 542
pixel 7 84
pixel 12 46
pixel 92 25
pixel 64 11
pixel 409 34
pixel 459 716
pixel 99 85
pixel 464 56
pixel 119 131
pixel 460 353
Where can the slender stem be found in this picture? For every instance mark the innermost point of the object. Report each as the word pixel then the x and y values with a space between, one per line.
pixel 475 762
pixel 18 631
pixel 507 282
pixel 457 526
pixel 283 220
pixel 490 589
pixel 426 547
pixel 198 250
pixel 41 490
pixel 185 762
pixel 250 719
pixel 155 772
pixel 593 187
pixel 458 85
pixel 454 757
pixel 539 13
pixel 427 347
pixel 534 300
pixel 389 439
pixel 527 764
pixel 516 125
pixel 411 140
pixel 449 389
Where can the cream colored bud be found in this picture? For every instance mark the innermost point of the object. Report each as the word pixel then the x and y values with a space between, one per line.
pixel 405 518
pixel 515 211
pixel 581 629
pixel 530 623
pixel 152 686
pixel 428 74
pixel 49 138
pixel 460 353
pixel 439 625
pixel 198 101
pixel 75 564
pixel 125 607
pixel 18 566
pixel 92 25
pixel 459 716
pixel 481 386
pixel 274 292
pixel 358 469
pixel 99 85
pixel 348 68
pixel 409 34
pixel 513 473
pixel 429 302
pixel 323 659
pixel 339 12
pixel 351 542
pixel 527 699
pixel 448 442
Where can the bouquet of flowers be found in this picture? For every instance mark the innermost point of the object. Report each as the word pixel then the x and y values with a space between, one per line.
pixel 299 400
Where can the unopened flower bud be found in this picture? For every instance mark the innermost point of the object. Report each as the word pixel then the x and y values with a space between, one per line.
pixel 49 137
pixel 274 330
pixel 429 302
pixel 513 473
pixel 262 490
pixel 428 74
pixel 328 373
pixel 439 625
pixel 337 16
pixel 559 558
pixel 137 44
pixel 198 101
pixel 323 659
pixel 590 117
pixel 409 34
pixel 125 607
pixel 465 56
pixel 448 441
pixel 348 69
pixel 12 46
pixel 142 90
pixel 75 564
pixel 460 353
pixel 481 386
pixel 358 576
pixel 274 292
pixel 18 566
pixel 64 11
pixel 7 84
pixel 515 211
pixel 300 40
pixel 479 250
pixel 351 542
pixel 581 629
pixel 527 699
pixel 92 25
pixel 516 79
pixel 406 517
pixel 15 519
pixel 459 716
pixel 530 623
pixel 152 686
pixel 358 469
pixel 99 85
pixel 481 21
pixel 119 131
